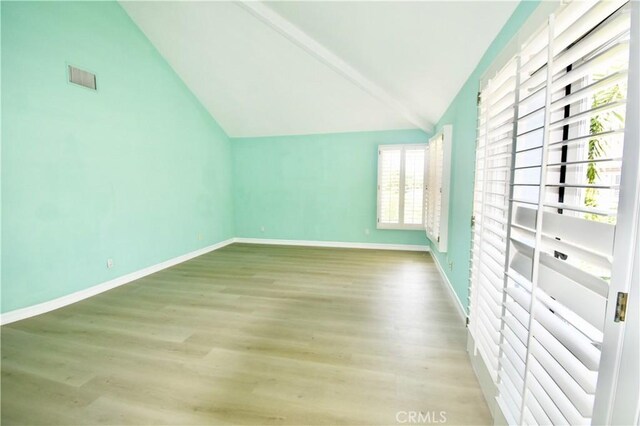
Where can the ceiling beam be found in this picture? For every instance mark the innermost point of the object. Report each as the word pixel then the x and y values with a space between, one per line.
pixel 324 55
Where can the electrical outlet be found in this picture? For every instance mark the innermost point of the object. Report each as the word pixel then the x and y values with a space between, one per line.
pixel 366 231
pixel 199 236
pixel 450 265
pixel 109 263
pixel 262 228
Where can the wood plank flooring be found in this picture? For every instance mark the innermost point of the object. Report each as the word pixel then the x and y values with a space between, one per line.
pixel 250 334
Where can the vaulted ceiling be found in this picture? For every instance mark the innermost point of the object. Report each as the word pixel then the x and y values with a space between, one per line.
pixel 278 68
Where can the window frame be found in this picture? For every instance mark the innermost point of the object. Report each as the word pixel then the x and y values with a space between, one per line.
pixel 442 180
pixel 400 225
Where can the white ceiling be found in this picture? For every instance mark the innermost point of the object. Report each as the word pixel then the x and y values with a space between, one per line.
pixel 280 68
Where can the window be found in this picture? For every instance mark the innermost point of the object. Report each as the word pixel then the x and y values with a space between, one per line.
pixel 401 177
pixel 490 212
pixel 437 188
pixel 550 154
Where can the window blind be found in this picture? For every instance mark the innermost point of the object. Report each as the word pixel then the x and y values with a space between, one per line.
pixel 401 177
pixel 436 208
pixel 434 183
pixel 542 259
pixel 389 161
pixel 414 185
pixel 490 212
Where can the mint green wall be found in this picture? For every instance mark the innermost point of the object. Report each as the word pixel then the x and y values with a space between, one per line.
pixel 139 172
pixel 315 187
pixel 134 172
pixel 462 114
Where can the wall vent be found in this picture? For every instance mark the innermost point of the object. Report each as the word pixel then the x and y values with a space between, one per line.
pixel 83 78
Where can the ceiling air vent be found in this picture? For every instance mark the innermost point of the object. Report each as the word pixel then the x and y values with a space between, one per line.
pixel 81 77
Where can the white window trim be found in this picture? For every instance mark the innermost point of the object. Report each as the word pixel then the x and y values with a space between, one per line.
pixel 400 225
pixel 618 392
pixel 439 237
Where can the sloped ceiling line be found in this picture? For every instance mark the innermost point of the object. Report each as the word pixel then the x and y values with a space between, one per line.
pixel 297 67
pixel 324 55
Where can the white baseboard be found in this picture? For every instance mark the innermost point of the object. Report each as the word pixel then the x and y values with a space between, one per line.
pixel 41 308
pixel 336 244
pixel 452 294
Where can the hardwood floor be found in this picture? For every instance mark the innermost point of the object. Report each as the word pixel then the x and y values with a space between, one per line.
pixel 250 334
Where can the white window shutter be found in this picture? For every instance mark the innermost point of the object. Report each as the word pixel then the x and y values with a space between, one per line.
pixel 414 177
pixel 542 258
pixel 490 214
pixel 389 162
pixel 437 188
pixel 401 177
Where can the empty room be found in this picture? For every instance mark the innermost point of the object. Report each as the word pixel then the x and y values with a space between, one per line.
pixel 320 212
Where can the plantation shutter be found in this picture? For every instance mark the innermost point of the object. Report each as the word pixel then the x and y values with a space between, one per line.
pixel 401 182
pixel 567 162
pixel 389 162
pixel 549 157
pixel 437 188
pixel 490 213
pixel 414 193
pixel 434 185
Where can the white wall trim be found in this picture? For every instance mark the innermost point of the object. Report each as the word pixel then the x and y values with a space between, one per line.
pixel 452 294
pixel 41 308
pixel 336 244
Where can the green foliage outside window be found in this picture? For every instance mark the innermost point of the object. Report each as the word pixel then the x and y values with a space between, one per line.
pixel 597 145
